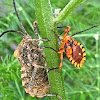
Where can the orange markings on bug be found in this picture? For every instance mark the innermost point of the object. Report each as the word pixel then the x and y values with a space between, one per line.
pixel 70 59
pixel 40 96
pixel 23 68
pixel 27 91
pixel 75 42
pixel 32 95
pixel 73 61
pixel 78 43
pixel 81 46
pixel 16 53
pixel 23 75
pixel 81 65
pixel 23 83
pixel 83 49
pixel 84 54
pixel 84 59
pixel 75 64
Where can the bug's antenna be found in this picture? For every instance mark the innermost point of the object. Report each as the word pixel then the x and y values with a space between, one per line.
pixel 11 31
pixel 22 27
pixel 85 30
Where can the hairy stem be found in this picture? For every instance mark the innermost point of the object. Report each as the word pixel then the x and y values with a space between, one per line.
pixel 44 17
pixel 67 10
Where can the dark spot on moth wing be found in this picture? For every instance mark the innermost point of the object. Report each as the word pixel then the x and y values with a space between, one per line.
pixel 32 67
pixel 26 69
pixel 32 50
pixel 43 75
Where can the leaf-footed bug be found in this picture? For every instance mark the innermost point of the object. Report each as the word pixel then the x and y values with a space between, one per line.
pixel 73 49
pixel 33 63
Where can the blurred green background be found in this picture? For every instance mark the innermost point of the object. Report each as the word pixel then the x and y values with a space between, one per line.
pixel 80 84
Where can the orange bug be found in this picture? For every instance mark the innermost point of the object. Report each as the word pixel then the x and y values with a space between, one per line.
pixel 73 49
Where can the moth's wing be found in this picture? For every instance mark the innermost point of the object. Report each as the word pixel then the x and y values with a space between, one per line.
pixel 39 83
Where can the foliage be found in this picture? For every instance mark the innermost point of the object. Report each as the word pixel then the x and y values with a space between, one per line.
pixel 82 84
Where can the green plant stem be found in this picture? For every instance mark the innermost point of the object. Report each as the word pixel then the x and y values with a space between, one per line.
pixel 44 17
pixel 67 10
pixel 17 86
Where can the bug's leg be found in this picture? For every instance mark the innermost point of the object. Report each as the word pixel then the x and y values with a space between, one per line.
pixel 49 95
pixel 63 27
pixel 35 29
pixel 37 42
pixel 58 39
pixel 32 79
pixel 51 48
pixel 66 30
pixel 61 58
pixel 69 28
pixel 45 67
pixel 54 69
pixel 36 33
pixel 61 55
pixel 44 40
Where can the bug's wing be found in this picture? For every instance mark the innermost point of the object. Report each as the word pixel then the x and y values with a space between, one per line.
pixel 34 74
pixel 39 83
pixel 77 53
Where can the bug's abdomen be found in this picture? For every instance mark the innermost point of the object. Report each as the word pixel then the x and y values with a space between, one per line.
pixel 77 53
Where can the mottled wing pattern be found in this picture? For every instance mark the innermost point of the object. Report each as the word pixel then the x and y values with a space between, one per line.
pixel 39 85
